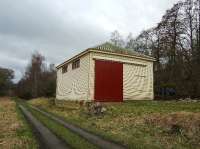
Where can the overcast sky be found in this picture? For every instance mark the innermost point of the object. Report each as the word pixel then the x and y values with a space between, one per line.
pixel 58 29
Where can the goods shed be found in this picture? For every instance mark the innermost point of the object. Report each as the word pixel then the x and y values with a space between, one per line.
pixel 106 73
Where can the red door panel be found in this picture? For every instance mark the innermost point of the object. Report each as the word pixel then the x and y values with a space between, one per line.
pixel 108 81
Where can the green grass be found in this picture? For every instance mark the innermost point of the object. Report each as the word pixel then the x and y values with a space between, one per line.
pixel 138 124
pixel 71 138
pixel 26 132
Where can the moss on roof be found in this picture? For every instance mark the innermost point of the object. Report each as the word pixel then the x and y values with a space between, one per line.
pixel 109 47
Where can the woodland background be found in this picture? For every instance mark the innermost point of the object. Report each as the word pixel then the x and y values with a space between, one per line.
pixel 174 42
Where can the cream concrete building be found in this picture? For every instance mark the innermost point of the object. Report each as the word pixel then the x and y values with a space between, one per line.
pixel 106 73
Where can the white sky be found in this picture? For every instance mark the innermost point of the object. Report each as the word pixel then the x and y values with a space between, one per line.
pixel 58 29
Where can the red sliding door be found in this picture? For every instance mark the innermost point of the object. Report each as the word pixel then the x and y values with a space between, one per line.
pixel 108 81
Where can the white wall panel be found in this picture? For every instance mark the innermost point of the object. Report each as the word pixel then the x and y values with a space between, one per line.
pixel 73 84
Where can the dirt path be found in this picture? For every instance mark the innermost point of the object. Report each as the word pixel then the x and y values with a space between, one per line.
pixel 48 139
pixel 94 139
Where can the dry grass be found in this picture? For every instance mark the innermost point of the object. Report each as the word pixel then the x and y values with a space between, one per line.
pixel 186 124
pixel 11 127
pixel 40 101
pixel 139 124
pixel 46 102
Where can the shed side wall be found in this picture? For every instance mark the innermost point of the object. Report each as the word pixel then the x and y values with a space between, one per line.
pixel 137 77
pixel 74 84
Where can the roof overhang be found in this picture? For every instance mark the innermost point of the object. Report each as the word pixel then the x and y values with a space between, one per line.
pixel 104 52
pixel 73 58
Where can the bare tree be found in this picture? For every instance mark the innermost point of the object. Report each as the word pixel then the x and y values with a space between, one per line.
pixel 117 39
pixel 175 43
pixel 38 80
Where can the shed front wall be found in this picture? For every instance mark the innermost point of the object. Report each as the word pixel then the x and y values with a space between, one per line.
pixel 137 76
pixel 73 85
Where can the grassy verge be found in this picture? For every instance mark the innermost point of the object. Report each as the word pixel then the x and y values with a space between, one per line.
pixel 138 124
pixel 71 138
pixel 14 131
